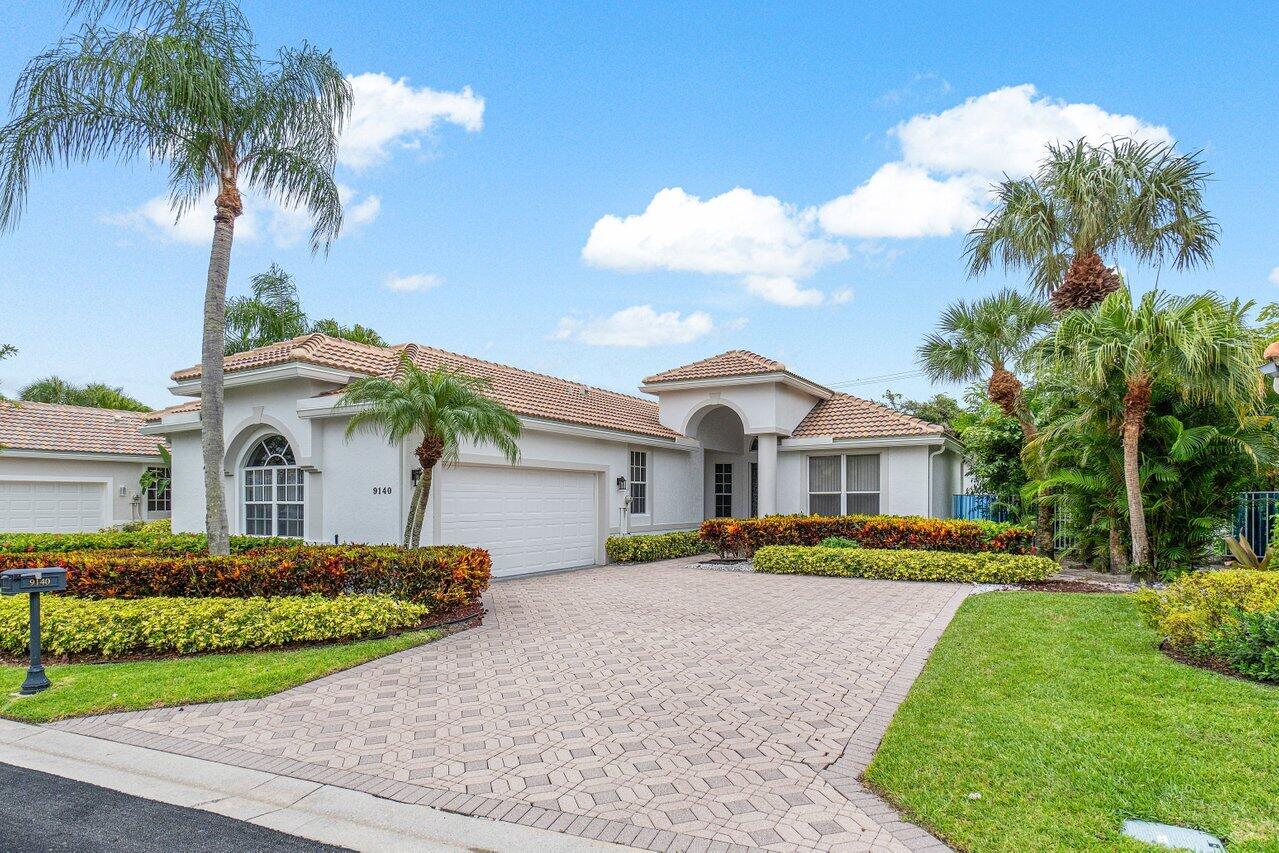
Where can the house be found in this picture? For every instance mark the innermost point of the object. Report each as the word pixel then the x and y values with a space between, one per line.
pixel 736 434
pixel 67 469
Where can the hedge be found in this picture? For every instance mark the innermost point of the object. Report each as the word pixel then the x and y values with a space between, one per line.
pixel 1197 606
pixel 657 546
pixel 902 565
pixel 99 628
pixel 442 577
pixel 142 541
pixel 748 535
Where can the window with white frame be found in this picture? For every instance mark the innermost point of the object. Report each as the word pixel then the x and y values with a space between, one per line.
pixel 846 484
pixel 159 496
pixel 723 489
pixel 639 482
pixel 273 490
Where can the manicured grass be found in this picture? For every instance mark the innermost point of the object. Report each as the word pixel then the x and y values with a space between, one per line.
pixel 80 689
pixel 1059 710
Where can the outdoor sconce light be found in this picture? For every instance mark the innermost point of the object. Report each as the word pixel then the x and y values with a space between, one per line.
pixel 621 484
pixel 33 582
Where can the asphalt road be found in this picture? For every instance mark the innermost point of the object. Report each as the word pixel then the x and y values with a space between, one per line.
pixel 40 812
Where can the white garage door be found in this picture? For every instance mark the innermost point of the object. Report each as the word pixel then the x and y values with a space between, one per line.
pixel 528 519
pixel 28 506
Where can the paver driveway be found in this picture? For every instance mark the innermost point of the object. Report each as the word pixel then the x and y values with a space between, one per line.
pixel 661 706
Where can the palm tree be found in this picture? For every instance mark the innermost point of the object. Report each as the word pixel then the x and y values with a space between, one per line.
pixel 179 83
pixel 99 395
pixel 983 339
pixel 1200 347
pixel 6 350
pixel 274 313
pixel 1088 200
pixel 444 407
pixel 359 334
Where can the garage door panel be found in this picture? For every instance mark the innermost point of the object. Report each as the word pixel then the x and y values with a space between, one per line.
pixel 32 506
pixel 527 519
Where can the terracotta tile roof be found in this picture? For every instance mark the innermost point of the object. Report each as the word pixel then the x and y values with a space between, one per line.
pixel 523 392
pixel 74 429
pixel 1272 351
pixel 189 406
pixel 737 362
pixel 845 416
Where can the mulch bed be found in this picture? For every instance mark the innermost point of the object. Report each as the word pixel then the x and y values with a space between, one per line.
pixel 1216 665
pixel 1066 586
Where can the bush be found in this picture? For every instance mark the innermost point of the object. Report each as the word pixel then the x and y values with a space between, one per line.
pixel 658 546
pixel 79 627
pixel 838 542
pixel 1198 606
pixel 147 539
pixel 1251 645
pixel 902 565
pixel 748 535
pixel 442 577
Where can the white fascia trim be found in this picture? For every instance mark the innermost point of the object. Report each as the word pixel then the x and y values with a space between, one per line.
pixel 750 379
pixel 11 453
pixel 178 422
pixel 825 442
pixel 320 407
pixel 274 373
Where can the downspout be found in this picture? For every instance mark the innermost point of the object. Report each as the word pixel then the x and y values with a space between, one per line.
pixel 941 449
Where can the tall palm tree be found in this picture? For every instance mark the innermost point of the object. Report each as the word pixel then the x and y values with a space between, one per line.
pixel 99 395
pixel 359 334
pixel 1200 347
pixel 1086 201
pixel 984 339
pixel 179 84
pixel 274 313
pixel 443 407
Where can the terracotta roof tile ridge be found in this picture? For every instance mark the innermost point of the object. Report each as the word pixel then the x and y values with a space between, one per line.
pixel 18 404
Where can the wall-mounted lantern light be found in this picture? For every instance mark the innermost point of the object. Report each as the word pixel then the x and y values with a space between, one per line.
pixel 621 484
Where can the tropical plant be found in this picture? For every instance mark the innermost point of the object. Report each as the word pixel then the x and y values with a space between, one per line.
pixel 274 313
pixel 1086 201
pixel 99 395
pixel 1199 348
pixel 993 443
pixel 158 478
pixel 180 84
pixel 1246 558
pixel 444 407
pixel 984 339
pixel 941 409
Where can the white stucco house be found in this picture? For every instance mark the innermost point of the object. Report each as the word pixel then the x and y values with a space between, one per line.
pixel 736 434
pixel 74 469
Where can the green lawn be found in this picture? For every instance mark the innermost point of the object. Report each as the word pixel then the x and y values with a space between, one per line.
pixel 1062 714
pixel 80 689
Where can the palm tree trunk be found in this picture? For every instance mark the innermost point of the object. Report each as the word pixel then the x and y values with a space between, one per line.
pixel 1136 402
pixel 425 482
pixel 1043 509
pixel 1118 553
pixel 418 500
pixel 211 438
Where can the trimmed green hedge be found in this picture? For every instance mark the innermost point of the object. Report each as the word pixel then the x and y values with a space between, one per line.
pixel 903 565
pixel 657 546
pixel 142 541
pixel 112 628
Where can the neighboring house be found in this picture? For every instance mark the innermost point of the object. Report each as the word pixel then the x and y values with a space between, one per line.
pixel 66 469
pixel 736 434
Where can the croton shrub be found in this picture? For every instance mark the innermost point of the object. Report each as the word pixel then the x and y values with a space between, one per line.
pixel 902 564
pixel 747 535
pixel 443 578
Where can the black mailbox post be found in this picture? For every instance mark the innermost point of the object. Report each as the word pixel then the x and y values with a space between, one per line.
pixel 33 582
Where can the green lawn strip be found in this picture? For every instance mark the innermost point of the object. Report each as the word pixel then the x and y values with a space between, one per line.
pixel 80 689
pixel 1060 711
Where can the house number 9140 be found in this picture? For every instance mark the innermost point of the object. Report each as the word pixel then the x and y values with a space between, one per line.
pixel 381 490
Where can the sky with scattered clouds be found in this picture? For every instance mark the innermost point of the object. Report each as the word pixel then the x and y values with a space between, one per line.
pixel 601 192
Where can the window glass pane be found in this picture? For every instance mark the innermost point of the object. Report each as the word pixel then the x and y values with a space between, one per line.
pixel 823 504
pixel 257 519
pixel 863 473
pixel 723 489
pixel 639 482
pixel 823 474
pixel 866 503
pixel 290 520
pixel 639 498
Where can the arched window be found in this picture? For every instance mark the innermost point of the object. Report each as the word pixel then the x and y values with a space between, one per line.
pixel 273 490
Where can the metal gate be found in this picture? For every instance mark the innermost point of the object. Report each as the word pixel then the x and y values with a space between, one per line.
pixel 1255 519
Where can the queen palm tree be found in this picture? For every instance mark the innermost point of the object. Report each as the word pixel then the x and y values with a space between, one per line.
pixel 274 313
pixel 179 84
pixel 1199 347
pixel 1086 201
pixel 99 395
pixel 442 406
pixel 983 340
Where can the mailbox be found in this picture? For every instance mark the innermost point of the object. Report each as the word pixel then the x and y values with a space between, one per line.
pixel 18 581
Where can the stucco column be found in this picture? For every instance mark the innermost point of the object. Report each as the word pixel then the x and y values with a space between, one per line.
pixel 767 473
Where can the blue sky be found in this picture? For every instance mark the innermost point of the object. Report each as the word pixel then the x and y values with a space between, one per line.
pixel 790 179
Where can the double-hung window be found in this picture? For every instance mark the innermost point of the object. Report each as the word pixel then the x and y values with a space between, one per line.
pixel 844 484
pixel 273 490
pixel 159 496
pixel 723 489
pixel 639 482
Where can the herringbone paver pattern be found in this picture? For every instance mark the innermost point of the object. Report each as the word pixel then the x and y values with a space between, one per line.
pixel 659 706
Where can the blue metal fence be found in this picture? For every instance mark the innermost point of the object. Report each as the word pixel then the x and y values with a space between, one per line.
pixel 978 508
pixel 1255 519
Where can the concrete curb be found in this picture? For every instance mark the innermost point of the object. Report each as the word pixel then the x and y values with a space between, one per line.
pixel 323 813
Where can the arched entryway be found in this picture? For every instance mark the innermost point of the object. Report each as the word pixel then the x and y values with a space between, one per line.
pixel 731 475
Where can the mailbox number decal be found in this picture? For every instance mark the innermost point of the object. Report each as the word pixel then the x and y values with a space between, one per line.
pixel 381 490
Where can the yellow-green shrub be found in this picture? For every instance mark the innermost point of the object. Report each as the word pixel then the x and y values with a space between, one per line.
pixel 107 628
pixel 902 565
pixel 658 546
pixel 1198 606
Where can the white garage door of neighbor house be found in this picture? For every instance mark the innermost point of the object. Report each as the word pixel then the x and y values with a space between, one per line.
pixel 529 519
pixel 35 506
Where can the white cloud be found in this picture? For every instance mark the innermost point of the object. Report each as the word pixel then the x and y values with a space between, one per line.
pixel 950 159
pixel 637 326
pixel 356 213
pixel 1274 276
pixel 736 233
pixel 413 283
pixel 387 113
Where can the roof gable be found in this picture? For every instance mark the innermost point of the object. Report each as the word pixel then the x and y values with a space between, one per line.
pixel 844 416
pixel 737 362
